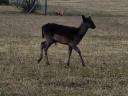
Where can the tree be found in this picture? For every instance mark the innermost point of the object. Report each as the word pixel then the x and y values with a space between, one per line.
pixel 4 2
pixel 29 5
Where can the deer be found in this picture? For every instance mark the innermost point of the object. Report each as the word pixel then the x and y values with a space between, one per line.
pixel 67 35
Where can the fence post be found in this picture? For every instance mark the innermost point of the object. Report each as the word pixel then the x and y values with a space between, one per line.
pixel 45 7
pixel 17 3
pixel 9 1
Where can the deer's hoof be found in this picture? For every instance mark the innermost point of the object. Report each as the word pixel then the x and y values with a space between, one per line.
pixel 38 61
pixel 68 65
pixel 83 65
pixel 47 63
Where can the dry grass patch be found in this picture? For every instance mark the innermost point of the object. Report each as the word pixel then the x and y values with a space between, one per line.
pixel 105 50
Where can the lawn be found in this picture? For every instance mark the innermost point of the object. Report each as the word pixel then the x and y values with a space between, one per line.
pixel 105 51
pixel 9 9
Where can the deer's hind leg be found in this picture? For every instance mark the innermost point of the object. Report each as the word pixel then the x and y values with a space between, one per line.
pixel 69 55
pixel 43 45
pixel 48 44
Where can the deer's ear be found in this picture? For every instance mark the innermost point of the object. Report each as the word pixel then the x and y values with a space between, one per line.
pixel 83 17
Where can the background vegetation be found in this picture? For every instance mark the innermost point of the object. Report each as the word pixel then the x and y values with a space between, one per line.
pixel 87 7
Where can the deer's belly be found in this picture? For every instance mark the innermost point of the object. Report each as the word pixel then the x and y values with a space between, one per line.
pixel 61 39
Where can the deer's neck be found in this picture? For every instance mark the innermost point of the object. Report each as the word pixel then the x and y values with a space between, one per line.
pixel 82 30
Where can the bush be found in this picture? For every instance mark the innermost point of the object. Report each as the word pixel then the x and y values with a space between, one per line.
pixel 4 2
pixel 29 5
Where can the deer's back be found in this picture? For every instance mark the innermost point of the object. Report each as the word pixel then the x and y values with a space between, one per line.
pixel 62 30
pixel 59 33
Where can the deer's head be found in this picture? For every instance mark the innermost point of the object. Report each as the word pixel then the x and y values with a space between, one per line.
pixel 89 22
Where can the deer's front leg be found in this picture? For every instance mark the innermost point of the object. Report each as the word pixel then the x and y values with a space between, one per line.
pixel 79 52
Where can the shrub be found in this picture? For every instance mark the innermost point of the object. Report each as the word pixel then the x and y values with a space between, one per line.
pixel 29 5
pixel 4 2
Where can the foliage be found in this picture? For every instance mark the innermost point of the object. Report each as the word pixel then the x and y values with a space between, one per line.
pixel 29 5
pixel 4 2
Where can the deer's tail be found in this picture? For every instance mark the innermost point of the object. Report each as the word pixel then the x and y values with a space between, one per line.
pixel 42 31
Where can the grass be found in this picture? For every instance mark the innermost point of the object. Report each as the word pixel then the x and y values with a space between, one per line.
pixel 9 9
pixel 105 50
